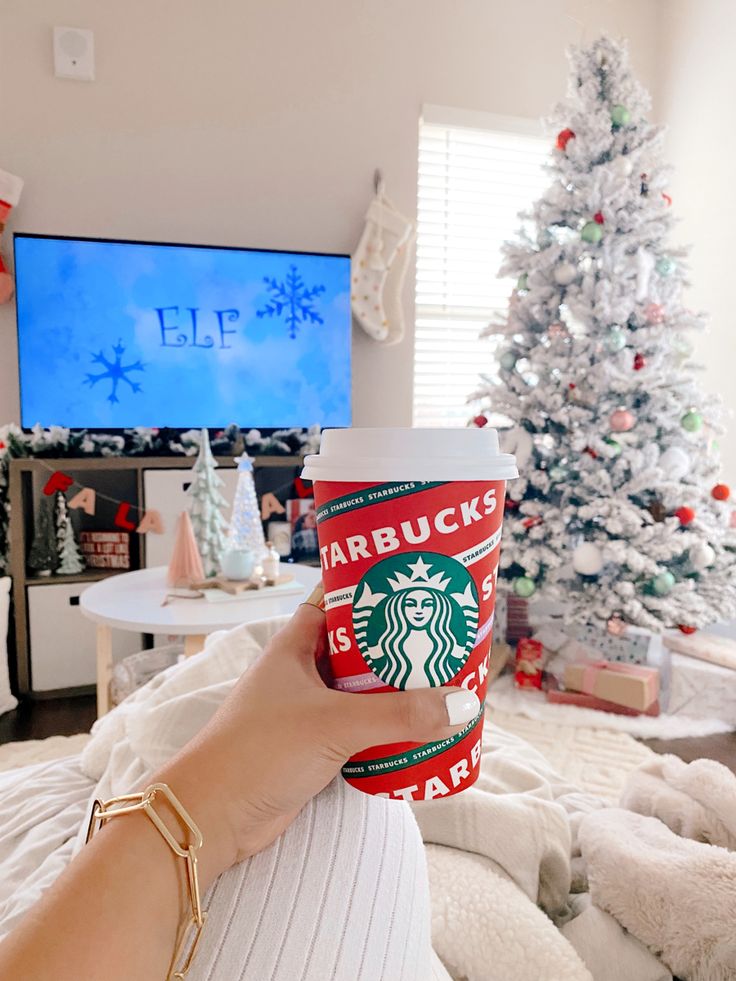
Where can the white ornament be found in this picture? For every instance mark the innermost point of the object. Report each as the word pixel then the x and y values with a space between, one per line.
pixel 645 263
pixel 701 555
pixel 622 166
pixel 675 462
pixel 587 559
pixel 565 273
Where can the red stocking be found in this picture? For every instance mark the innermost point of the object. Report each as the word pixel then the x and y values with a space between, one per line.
pixel 10 190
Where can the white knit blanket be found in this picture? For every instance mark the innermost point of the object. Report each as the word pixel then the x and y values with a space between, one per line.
pixel 499 854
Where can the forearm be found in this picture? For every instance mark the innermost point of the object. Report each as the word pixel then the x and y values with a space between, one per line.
pixel 116 912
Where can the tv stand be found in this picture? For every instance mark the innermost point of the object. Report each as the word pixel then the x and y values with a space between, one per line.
pixel 48 633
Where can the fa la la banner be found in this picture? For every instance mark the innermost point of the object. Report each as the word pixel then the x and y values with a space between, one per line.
pixel 86 500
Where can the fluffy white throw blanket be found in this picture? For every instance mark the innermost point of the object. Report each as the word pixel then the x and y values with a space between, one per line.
pixel 502 856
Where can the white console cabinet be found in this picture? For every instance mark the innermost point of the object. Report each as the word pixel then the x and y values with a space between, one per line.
pixel 63 641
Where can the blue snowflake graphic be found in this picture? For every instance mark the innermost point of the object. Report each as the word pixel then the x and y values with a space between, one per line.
pixel 115 370
pixel 292 298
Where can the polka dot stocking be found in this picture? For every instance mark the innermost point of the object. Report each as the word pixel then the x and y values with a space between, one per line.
pixel 376 285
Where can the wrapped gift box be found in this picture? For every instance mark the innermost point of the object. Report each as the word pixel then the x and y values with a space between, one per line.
pixel 556 694
pixel 631 647
pixel 631 685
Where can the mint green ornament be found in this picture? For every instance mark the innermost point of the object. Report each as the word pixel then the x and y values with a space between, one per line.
pixel 557 474
pixel 525 587
pixel 508 360
pixel 665 266
pixel 616 340
pixel 620 115
pixel 692 421
pixel 663 583
pixel 614 444
pixel 522 283
pixel 591 232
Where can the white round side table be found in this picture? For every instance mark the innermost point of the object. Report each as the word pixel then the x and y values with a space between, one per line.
pixel 135 601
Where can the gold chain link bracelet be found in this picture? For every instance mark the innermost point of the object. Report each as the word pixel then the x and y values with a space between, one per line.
pixel 129 803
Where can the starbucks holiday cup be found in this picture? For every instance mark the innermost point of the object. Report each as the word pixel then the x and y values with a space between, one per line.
pixel 409 526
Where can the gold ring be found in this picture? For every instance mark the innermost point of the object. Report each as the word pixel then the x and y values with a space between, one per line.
pixel 316 598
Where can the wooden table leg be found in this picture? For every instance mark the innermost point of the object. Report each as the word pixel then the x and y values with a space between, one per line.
pixel 104 668
pixel 193 643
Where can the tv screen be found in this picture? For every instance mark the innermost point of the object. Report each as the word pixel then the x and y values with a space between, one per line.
pixel 115 334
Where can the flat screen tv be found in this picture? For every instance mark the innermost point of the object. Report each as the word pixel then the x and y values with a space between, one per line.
pixel 116 334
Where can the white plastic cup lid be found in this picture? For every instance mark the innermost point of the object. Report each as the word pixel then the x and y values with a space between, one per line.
pixel 366 455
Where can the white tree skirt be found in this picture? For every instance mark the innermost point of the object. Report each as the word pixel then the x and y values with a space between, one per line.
pixel 505 697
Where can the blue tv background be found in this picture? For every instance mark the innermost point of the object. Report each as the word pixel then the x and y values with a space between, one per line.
pixel 77 299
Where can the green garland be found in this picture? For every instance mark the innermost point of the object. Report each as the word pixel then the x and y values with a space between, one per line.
pixel 57 442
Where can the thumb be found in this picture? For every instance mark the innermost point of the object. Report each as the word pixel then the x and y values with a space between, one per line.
pixel 422 715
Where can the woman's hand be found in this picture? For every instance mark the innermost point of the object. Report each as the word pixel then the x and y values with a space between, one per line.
pixel 282 735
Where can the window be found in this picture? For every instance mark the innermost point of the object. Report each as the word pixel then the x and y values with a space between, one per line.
pixel 476 173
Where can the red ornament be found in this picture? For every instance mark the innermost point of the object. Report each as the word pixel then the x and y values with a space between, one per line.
pixel 510 504
pixel 591 452
pixel 685 515
pixel 480 421
pixel 668 202
pixel 2 445
pixel 683 627
pixel 598 217
pixel 572 385
pixel 563 138
pixel 531 522
pixel 721 492
pixel 639 362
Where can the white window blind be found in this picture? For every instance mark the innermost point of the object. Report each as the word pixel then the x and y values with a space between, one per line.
pixel 476 173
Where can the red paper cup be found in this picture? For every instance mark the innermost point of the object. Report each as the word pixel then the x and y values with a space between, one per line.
pixel 409 526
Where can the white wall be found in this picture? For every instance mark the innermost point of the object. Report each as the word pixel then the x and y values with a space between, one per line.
pixel 696 95
pixel 260 123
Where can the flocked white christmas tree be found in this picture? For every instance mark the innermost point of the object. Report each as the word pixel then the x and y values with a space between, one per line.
pixel 70 559
pixel 206 506
pixel 246 529
pixel 618 512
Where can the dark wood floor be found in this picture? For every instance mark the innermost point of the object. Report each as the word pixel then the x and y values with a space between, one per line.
pixel 67 716
pixel 721 747
pixel 50 717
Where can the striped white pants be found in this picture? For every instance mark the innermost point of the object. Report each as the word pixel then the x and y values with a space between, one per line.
pixel 341 896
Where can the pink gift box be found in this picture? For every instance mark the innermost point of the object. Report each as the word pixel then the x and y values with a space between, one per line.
pixel 631 685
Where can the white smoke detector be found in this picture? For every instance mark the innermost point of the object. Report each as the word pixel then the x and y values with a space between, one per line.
pixel 74 53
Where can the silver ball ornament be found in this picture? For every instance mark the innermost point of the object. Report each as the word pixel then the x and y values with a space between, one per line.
pixel 622 166
pixel 565 273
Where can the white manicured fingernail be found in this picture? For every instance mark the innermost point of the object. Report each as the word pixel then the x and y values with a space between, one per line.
pixel 462 705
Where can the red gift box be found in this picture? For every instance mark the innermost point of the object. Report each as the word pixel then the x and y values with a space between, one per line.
pixel 529 654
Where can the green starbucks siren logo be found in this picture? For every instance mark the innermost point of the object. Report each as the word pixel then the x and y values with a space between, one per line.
pixel 415 618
